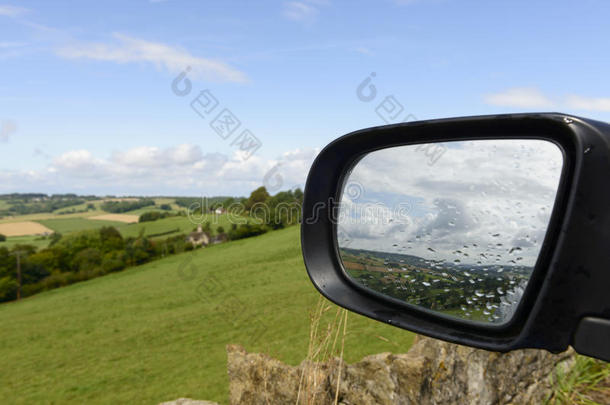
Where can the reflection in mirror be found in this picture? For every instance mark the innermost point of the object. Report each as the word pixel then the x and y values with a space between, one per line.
pixel 452 227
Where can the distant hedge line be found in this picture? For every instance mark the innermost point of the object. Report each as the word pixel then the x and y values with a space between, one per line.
pixel 117 207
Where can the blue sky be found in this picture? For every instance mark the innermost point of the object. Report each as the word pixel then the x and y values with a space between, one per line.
pixel 86 102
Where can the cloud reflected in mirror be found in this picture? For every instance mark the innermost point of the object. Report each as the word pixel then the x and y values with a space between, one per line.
pixel 459 234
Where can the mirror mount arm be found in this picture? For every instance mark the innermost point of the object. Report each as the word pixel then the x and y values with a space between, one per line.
pixel 592 338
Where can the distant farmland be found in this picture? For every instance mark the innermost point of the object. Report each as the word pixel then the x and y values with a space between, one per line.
pixel 67 225
pixel 23 229
pixel 128 219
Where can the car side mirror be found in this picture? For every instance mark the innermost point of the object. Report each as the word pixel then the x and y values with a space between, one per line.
pixel 486 231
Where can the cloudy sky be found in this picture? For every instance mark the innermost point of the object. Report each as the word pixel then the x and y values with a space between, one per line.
pixel 90 101
pixel 487 201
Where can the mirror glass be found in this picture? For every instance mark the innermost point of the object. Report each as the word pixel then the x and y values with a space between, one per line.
pixel 452 227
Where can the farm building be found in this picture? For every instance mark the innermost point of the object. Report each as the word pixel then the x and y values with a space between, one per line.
pixel 199 237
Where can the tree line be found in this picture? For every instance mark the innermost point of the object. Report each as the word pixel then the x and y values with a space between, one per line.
pixel 83 255
pixel 117 207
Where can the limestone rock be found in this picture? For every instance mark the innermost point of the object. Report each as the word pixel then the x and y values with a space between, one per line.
pixel 432 372
pixel 188 401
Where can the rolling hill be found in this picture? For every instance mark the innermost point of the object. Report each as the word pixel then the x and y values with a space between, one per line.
pixel 158 331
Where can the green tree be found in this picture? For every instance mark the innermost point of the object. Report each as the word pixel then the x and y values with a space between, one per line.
pixel 111 239
pixel 113 261
pixel 55 237
pixel 260 195
pixel 87 259
pixel 8 289
pixel 298 195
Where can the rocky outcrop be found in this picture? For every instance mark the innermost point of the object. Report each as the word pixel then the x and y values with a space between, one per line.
pixel 432 372
pixel 188 401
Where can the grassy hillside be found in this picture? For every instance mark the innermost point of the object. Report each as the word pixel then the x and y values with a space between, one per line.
pixel 67 225
pixel 184 224
pixel 158 332
pixel 35 240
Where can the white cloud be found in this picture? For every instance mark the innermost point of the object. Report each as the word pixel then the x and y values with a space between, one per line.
pixel 12 11
pixel 147 156
pixel 527 97
pixel 591 104
pixel 521 97
pixel 304 11
pixel 496 195
pixel 78 161
pixel 299 11
pixel 131 50
pixel 363 50
pixel 148 170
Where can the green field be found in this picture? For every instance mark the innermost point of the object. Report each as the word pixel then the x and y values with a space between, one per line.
pixel 35 240
pixel 183 223
pixel 80 207
pixel 158 332
pixel 67 225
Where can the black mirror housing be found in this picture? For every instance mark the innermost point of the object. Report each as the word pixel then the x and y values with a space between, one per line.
pixel 566 300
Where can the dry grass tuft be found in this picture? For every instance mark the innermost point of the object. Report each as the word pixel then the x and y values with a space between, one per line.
pixel 323 340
